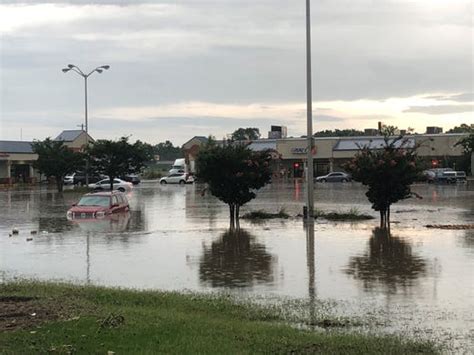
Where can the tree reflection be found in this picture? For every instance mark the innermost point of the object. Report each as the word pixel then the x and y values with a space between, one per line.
pixel 389 261
pixel 236 260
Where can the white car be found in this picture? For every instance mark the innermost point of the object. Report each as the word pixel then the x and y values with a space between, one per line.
pixel 119 185
pixel 177 179
pixel 69 179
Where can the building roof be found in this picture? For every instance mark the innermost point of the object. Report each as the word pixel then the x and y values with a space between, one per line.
pixel 371 143
pixel 202 139
pixel 69 135
pixel 263 145
pixel 15 147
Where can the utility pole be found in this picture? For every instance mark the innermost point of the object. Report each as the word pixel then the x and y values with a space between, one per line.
pixel 309 120
pixel 77 70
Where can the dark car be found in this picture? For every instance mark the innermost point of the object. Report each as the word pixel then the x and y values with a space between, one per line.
pixel 334 177
pixel 98 205
pixel 80 178
pixel 134 179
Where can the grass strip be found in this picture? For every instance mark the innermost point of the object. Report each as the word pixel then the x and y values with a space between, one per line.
pixel 98 320
pixel 260 214
pixel 352 215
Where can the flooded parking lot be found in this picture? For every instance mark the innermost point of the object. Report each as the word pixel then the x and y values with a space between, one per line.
pixel 418 281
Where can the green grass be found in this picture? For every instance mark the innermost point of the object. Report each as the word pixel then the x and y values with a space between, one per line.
pixel 352 215
pixel 260 214
pixel 96 320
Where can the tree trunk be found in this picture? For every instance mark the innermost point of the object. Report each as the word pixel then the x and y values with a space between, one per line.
pixel 232 216
pixel 237 220
pixel 382 219
pixel 59 184
pixel 388 218
pixel 111 182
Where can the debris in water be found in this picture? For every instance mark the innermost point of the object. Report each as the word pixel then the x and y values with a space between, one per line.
pixel 34 232
pixel 15 230
pixel 450 226
pixel 29 239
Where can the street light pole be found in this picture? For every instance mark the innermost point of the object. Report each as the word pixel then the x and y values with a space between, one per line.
pixel 309 119
pixel 77 70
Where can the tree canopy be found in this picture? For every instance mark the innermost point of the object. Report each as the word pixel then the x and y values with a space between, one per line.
pixel 167 151
pixel 388 172
pixel 339 133
pixel 233 172
pixel 245 134
pixel 467 143
pixel 56 160
pixel 118 158
pixel 463 128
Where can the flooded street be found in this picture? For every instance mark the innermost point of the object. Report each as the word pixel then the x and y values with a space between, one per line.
pixel 418 281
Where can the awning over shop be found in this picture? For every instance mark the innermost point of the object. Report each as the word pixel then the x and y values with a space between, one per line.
pixel 374 143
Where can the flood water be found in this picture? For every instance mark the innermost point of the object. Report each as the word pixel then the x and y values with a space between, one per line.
pixel 416 282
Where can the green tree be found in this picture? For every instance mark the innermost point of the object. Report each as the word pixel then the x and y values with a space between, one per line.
pixel 233 173
pixel 339 133
pixel 167 151
pixel 118 158
pixel 56 160
pixel 463 128
pixel 468 147
pixel 388 172
pixel 245 134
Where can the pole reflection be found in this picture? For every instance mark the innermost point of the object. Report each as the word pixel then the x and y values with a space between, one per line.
pixel 310 263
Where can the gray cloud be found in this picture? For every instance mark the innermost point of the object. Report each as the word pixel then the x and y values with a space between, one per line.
pixel 441 109
pixel 464 97
pixel 229 51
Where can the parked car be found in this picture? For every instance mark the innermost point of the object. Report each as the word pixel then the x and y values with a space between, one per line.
pixel 334 177
pixel 177 179
pixel 448 177
pixel 118 184
pixel 134 179
pixel 434 175
pixel 69 179
pixel 80 178
pixel 98 205
pixel 460 176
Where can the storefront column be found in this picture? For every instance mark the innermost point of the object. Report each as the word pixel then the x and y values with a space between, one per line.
pixel 9 167
pixel 331 165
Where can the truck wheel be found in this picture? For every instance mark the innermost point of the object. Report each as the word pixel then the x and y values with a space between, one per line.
pixel 163 182
pixel 121 189
pixel 182 182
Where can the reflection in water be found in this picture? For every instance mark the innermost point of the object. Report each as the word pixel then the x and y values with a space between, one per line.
pixel 388 262
pixel 309 226
pixel 236 260
pixel 117 222
pixel 54 224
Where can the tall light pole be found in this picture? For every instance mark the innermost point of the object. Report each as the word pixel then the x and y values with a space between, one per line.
pixel 309 119
pixel 77 70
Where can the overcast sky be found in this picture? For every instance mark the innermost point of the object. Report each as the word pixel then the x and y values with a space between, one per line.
pixel 200 67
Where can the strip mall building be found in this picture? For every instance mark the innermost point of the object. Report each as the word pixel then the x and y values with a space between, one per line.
pixel 331 152
pixel 17 157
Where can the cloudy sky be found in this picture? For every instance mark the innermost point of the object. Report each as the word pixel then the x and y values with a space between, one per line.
pixel 200 67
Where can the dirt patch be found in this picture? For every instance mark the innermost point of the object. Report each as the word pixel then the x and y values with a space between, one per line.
pixel 17 312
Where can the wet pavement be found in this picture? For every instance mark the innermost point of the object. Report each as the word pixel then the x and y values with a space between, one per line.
pixel 418 281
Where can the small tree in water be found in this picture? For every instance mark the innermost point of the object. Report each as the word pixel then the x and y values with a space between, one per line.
pixel 118 158
pixel 388 172
pixel 232 173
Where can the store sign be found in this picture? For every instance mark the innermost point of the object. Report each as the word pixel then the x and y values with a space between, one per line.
pixel 299 150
